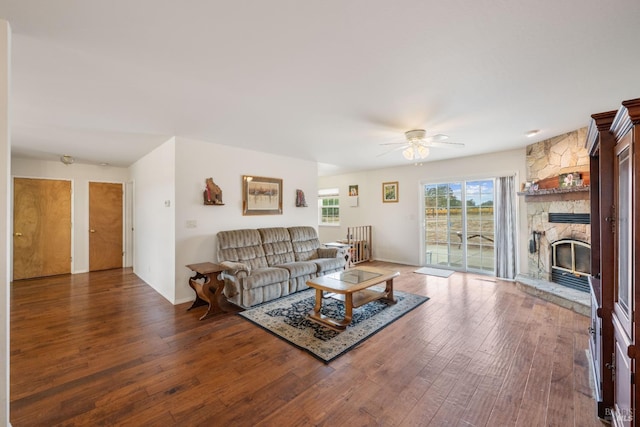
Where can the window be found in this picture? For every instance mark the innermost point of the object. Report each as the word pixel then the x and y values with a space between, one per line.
pixel 329 206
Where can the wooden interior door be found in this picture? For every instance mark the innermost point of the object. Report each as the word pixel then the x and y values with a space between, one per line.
pixel 623 309
pixel 105 226
pixel 41 227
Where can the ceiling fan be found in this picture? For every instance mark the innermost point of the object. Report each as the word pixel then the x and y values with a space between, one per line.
pixel 417 144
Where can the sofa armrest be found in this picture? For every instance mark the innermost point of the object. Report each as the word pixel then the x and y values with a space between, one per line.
pixel 238 269
pixel 334 252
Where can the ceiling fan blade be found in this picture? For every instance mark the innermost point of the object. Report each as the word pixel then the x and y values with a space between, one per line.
pixel 445 144
pixel 439 137
pixel 395 143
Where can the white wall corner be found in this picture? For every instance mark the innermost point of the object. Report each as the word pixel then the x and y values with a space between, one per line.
pixel 5 215
pixel 154 221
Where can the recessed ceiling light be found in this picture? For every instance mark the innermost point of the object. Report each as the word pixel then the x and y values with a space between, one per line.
pixel 532 133
pixel 104 164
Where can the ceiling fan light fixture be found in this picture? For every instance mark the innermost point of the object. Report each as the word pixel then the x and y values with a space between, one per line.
pixel 417 144
pixel 415 152
pixel 408 153
pixel 422 151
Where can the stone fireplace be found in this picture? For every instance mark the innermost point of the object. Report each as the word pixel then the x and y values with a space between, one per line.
pixel 558 210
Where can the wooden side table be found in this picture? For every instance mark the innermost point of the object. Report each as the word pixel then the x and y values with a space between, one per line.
pixel 210 290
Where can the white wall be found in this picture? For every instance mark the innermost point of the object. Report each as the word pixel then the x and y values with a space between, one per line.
pixel 199 160
pixel 397 226
pixel 80 175
pixel 5 173
pixel 154 222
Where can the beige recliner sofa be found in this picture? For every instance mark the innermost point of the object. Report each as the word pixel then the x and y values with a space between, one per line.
pixel 268 263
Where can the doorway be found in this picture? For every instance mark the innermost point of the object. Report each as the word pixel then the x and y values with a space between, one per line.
pixel 459 226
pixel 105 225
pixel 41 227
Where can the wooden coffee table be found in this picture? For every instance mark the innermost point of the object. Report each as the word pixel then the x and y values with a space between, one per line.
pixel 353 288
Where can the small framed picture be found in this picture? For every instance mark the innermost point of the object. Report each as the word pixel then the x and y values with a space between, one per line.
pixel 569 179
pixel 390 192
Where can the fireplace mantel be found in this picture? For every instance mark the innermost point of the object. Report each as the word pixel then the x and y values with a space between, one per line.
pixel 556 194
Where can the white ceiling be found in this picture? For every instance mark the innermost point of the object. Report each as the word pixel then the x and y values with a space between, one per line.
pixel 107 81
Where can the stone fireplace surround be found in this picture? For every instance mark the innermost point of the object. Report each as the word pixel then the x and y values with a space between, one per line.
pixel 546 160
pixel 539 263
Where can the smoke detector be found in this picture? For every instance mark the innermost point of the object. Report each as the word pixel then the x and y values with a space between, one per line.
pixel 67 159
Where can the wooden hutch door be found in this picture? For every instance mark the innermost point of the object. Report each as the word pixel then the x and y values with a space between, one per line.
pixel 624 292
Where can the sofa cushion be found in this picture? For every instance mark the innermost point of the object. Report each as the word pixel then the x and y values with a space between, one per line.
pixel 241 246
pixel 277 245
pixel 301 268
pixel 305 243
pixel 265 276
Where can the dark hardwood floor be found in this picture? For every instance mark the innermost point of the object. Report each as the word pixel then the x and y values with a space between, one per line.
pixel 105 349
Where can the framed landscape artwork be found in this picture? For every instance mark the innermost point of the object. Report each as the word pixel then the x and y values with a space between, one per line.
pixel 261 196
pixel 390 192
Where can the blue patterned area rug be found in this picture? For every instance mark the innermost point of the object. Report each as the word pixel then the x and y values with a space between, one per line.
pixel 286 318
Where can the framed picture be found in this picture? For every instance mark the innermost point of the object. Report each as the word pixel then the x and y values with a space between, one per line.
pixel 569 179
pixel 353 190
pixel 261 196
pixel 390 192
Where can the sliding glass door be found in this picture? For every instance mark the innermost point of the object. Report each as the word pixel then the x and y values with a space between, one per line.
pixel 459 225
pixel 443 224
pixel 480 226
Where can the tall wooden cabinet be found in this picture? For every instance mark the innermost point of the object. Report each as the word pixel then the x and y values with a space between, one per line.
pixel 600 143
pixel 614 145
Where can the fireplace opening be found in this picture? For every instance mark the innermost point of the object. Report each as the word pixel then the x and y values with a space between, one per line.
pixel 571 264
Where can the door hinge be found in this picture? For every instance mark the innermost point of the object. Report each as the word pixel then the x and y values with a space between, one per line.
pixel 633 378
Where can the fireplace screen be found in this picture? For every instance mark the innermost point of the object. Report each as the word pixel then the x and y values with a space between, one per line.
pixel 571 264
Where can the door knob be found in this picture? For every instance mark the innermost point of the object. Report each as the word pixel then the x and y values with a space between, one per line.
pixel 18 234
pixel 92 231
